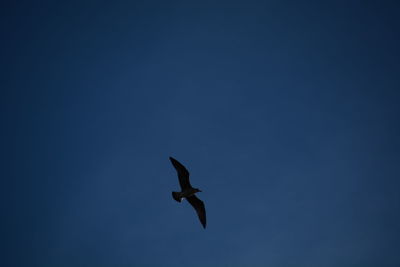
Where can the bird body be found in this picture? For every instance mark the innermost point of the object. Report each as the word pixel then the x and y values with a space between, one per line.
pixel 188 192
pixel 184 194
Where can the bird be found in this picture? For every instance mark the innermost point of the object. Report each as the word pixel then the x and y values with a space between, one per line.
pixel 188 192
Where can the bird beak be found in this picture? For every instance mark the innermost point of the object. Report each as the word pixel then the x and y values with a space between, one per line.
pixel 200 190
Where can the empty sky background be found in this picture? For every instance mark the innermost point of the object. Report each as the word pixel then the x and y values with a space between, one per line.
pixel 286 113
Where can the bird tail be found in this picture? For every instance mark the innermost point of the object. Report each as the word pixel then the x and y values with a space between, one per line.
pixel 176 196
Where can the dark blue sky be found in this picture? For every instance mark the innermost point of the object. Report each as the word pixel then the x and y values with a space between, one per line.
pixel 286 113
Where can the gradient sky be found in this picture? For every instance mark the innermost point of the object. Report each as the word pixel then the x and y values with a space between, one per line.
pixel 286 113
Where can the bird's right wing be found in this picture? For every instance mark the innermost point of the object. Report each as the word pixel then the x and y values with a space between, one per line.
pixel 183 174
pixel 198 205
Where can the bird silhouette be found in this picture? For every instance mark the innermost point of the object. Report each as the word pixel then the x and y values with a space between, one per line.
pixel 188 192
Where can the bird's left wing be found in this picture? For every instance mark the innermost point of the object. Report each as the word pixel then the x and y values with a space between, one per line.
pixel 198 205
pixel 183 173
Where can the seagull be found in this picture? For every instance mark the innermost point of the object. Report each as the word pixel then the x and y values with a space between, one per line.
pixel 188 192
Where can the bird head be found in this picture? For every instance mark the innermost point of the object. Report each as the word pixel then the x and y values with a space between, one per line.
pixel 197 190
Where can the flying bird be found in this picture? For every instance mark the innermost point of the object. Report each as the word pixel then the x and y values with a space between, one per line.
pixel 188 192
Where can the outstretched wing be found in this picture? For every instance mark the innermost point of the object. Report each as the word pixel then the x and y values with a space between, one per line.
pixel 198 205
pixel 183 174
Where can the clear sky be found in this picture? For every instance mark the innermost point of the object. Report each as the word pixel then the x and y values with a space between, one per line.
pixel 286 113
